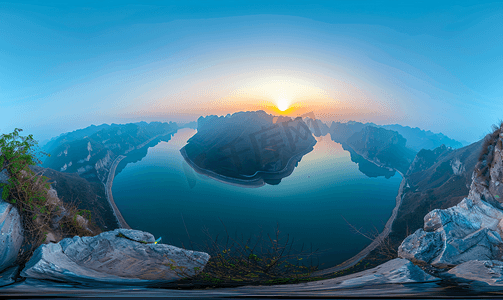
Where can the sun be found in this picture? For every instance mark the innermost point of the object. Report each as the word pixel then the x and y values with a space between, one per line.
pixel 283 104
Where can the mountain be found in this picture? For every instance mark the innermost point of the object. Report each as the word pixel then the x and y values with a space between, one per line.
pixel 317 127
pixel 366 167
pixel 90 152
pixel 436 179
pixel 248 148
pixel 340 132
pixel 418 139
pixel 384 147
pixel 464 242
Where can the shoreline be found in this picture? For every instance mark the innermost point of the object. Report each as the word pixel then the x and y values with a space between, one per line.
pixel 375 243
pixel 344 265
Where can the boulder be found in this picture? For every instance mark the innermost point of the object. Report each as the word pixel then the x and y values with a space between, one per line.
pixel 11 234
pixel 421 247
pixel 479 272
pixel 468 231
pixel 122 256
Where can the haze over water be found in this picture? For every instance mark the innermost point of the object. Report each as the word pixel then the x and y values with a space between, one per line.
pixel 155 195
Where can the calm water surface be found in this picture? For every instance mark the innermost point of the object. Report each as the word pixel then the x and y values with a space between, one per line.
pixel 161 193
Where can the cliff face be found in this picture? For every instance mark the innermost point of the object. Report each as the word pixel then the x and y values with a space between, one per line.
pixel 91 155
pixel 471 230
pixel 89 195
pixel 438 178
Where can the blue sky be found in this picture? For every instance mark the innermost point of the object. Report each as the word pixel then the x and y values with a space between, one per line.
pixel 67 66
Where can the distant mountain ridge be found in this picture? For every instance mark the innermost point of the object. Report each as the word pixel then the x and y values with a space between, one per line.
pixel 417 138
pixel 91 151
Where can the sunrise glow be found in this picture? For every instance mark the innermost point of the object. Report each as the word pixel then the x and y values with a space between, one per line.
pixel 283 104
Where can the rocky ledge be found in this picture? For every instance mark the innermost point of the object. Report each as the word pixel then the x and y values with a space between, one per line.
pixel 122 256
pixel 464 242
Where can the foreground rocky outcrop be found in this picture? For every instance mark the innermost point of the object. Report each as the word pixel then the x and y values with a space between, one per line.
pixel 471 231
pixel 11 234
pixel 468 231
pixel 479 272
pixel 437 179
pixel 121 256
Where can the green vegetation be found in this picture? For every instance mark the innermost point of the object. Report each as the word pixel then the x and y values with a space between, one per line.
pixel 29 193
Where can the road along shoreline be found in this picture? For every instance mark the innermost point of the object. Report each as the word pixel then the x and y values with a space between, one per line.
pixel 108 191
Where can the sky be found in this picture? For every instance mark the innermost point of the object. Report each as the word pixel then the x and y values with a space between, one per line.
pixel 436 66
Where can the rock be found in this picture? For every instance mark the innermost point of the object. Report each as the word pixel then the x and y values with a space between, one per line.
pixel 421 247
pixel 4 176
pixel 487 185
pixel 11 234
pixel 8 276
pixel 457 166
pixel 479 272
pixel 468 231
pixel 471 230
pixel 121 256
pixel 394 271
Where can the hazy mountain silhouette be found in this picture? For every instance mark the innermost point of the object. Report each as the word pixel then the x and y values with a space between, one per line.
pixel 248 148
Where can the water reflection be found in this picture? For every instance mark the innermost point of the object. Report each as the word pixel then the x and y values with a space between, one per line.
pixel 366 167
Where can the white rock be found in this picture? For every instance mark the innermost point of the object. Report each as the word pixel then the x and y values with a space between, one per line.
pixel 480 272
pixel 468 231
pixel 421 247
pixel 11 234
pixel 132 258
pixel 457 166
pixel 394 271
